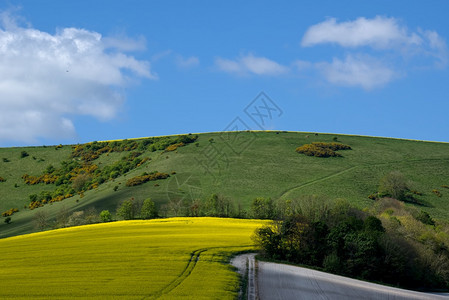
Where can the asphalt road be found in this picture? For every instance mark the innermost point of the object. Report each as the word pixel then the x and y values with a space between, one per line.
pixel 279 281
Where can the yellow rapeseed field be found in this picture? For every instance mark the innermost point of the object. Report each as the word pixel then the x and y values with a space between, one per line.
pixel 163 258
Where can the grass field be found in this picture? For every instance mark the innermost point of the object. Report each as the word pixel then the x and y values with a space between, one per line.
pixel 164 258
pixel 241 166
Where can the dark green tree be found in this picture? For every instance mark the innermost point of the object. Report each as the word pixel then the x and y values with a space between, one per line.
pixel 126 210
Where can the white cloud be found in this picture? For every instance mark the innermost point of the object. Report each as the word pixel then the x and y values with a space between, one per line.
pixel 364 71
pixel 251 64
pixel 387 42
pixel 47 78
pixel 379 32
pixel 189 62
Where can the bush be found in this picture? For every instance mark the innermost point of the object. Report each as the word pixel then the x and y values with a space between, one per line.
pixel 425 218
pixel 23 154
pixel 319 149
pixel 10 212
pixel 394 185
pixel 145 178
pixel 437 193
pixel 105 216
pixel 5 159
pixel 2 179
pixel 8 220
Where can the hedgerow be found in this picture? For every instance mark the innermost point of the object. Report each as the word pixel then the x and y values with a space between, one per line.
pixel 320 149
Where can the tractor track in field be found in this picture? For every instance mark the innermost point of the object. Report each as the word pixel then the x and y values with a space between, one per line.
pixel 194 257
pixel 316 180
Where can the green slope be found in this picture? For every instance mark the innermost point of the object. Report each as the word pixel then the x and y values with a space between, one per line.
pixel 241 166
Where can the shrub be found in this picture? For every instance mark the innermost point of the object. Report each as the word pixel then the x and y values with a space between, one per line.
pixel 145 178
pixel 8 220
pixel 394 185
pixel 10 212
pixel 5 159
pixel 105 216
pixel 425 218
pixel 372 196
pixel 2 179
pixel 173 147
pixel 320 149
pixel 437 192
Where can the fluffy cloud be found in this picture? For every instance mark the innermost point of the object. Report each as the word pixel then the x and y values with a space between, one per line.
pixel 364 71
pixel 423 48
pixel 45 79
pixel 251 64
pixel 379 32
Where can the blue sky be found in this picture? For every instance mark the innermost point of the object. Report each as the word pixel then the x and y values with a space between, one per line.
pixel 79 71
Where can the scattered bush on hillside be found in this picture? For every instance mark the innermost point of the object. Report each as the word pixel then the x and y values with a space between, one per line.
pixel 320 149
pixel 78 177
pixel 145 178
pixel 10 212
pixel 23 154
pixel 8 220
pixel 445 186
pixel 5 159
pixel 2 179
pixel 44 178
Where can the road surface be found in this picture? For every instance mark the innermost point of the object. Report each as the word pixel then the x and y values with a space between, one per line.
pixel 278 281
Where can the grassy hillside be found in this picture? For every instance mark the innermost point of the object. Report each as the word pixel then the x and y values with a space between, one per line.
pixel 240 166
pixel 169 258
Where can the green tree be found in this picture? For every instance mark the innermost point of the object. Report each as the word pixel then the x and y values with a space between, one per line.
pixel 148 210
pixel 126 210
pixel 105 216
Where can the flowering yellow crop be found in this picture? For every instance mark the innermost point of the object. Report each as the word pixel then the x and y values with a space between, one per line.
pixel 164 258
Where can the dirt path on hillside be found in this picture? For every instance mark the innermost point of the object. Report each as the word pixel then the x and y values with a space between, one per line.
pixel 279 281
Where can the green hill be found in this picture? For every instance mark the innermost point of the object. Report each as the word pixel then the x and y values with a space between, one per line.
pixel 237 165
